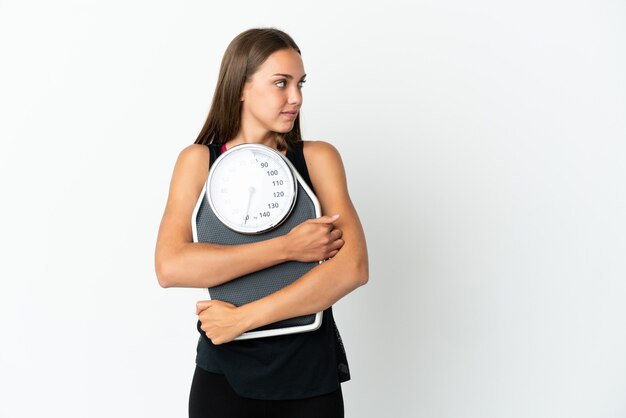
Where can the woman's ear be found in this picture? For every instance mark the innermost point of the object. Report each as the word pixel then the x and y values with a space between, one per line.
pixel 245 88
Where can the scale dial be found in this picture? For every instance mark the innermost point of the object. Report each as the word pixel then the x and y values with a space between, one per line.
pixel 251 188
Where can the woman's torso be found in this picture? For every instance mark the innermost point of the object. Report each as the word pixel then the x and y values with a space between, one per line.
pixel 283 367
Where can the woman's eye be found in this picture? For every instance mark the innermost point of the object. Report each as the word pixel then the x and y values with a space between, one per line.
pixel 283 83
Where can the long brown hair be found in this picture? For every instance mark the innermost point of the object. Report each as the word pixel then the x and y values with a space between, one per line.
pixel 242 58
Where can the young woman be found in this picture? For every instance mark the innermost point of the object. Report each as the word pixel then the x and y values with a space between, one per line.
pixel 257 101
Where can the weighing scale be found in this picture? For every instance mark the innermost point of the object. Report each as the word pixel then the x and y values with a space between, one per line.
pixel 254 193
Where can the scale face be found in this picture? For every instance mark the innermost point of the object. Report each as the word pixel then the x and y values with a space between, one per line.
pixel 251 188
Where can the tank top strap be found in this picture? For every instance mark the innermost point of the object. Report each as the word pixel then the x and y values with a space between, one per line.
pixel 295 154
pixel 214 151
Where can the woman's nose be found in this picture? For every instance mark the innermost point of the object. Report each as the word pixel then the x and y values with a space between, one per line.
pixel 295 96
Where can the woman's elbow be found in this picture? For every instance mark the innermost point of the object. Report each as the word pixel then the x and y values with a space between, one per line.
pixel 361 274
pixel 164 273
pixel 364 276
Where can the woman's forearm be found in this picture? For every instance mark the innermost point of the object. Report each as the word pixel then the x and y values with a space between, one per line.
pixel 200 264
pixel 190 264
pixel 315 291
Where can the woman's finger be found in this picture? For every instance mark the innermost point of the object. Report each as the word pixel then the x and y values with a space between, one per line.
pixel 325 219
pixel 202 305
pixel 336 234
pixel 337 245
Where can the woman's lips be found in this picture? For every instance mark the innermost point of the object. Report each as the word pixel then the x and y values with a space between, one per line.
pixel 290 115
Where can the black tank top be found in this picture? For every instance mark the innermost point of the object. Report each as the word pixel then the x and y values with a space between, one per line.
pixel 292 366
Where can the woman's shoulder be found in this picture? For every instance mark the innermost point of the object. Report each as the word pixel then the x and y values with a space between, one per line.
pixel 194 155
pixel 192 165
pixel 323 163
pixel 319 150
pixel 194 151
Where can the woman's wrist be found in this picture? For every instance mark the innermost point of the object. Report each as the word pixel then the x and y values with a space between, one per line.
pixel 283 248
pixel 249 317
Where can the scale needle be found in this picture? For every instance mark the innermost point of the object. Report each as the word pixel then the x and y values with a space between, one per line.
pixel 250 193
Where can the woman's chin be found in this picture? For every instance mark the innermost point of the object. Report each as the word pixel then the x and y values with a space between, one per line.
pixel 283 129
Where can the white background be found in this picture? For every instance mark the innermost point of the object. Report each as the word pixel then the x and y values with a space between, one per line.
pixel 484 143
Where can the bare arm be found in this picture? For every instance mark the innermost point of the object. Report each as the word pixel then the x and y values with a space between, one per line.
pixel 179 262
pixel 320 287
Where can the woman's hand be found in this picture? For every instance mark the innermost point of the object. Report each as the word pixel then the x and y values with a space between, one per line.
pixel 314 240
pixel 222 322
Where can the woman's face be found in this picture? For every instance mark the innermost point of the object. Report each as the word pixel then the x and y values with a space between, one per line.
pixel 272 97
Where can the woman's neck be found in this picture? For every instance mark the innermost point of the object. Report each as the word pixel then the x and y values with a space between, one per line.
pixel 266 138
